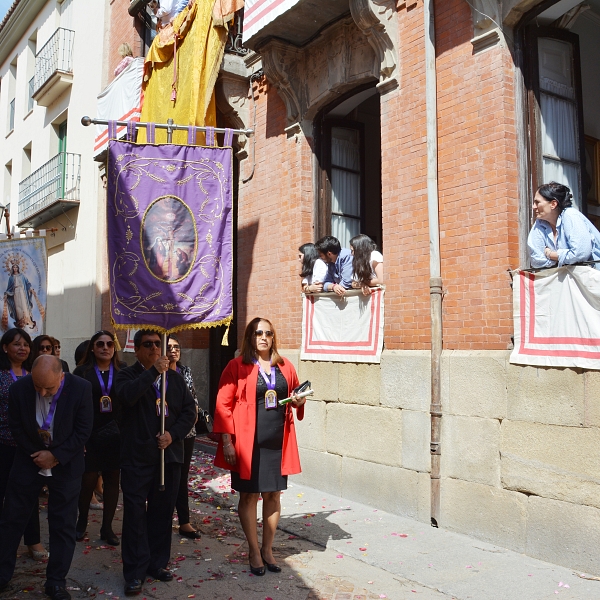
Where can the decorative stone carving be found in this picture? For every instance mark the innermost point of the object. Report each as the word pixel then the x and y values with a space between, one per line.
pixel 278 59
pixel 485 14
pixel 232 95
pixel 377 20
pixel 486 20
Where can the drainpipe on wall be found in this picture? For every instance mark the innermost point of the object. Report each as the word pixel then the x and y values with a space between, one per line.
pixel 435 278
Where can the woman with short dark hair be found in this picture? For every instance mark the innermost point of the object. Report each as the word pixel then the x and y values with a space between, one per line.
pixel 258 438
pixel 42 344
pixel 15 362
pixel 561 235
pixel 99 366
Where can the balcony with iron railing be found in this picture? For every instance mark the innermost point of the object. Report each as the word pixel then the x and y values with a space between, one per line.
pixel 54 67
pixel 50 190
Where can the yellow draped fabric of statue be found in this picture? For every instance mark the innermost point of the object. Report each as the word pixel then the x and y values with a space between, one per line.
pixel 200 46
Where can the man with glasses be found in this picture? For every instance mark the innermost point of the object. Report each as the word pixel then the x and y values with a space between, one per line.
pixel 148 512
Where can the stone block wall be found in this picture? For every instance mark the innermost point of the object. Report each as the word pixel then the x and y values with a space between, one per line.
pixel 520 466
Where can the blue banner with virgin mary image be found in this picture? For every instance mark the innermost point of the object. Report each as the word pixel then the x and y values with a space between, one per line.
pixel 23 283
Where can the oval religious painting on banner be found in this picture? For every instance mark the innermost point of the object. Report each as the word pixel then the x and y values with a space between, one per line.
pixel 169 242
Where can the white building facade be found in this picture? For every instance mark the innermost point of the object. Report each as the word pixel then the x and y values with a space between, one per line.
pixel 52 69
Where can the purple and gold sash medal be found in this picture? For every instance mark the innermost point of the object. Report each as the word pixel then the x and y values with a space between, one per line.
pixel 270 394
pixel 105 400
pixel 156 385
pixel 43 430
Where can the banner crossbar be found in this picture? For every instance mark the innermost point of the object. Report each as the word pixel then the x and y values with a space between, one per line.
pixel 87 121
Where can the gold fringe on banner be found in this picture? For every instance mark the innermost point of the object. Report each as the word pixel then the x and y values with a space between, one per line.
pixel 5 316
pixel 39 305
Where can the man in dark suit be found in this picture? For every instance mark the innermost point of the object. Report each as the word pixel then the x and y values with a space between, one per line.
pixel 50 415
pixel 148 512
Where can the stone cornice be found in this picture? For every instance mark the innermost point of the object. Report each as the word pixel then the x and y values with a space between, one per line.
pixel 377 20
pixel 20 17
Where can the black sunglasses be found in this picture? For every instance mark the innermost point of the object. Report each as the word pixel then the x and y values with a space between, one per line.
pixel 170 347
pixel 149 343
pixel 45 347
pixel 260 333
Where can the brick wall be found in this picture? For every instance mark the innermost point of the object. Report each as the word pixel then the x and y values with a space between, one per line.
pixel 274 219
pixel 404 194
pixel 122 29
pixel 477 183
pixel 477 189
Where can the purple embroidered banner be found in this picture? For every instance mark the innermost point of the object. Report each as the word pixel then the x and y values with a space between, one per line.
pixel 169 236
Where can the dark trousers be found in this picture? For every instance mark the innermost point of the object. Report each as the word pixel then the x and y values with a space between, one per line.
pixel 111 498
pixel 21 500
pixel 181 505
pixel 146 539
pixel 31 536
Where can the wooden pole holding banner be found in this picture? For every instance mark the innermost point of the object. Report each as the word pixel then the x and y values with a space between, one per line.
pixel 163 377
pixel 163 401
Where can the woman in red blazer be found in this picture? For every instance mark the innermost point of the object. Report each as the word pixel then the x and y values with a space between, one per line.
pixel 258 439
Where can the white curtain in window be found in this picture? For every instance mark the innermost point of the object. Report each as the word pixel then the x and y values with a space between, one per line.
pixel 344 229
pixel 560 143
pixel 345 192
pixel 559 125
pixel 345 185
pixel 559 128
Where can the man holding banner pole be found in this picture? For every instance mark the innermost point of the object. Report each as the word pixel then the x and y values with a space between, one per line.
pixel 147 507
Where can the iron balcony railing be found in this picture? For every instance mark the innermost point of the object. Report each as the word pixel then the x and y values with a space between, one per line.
pixel 55 56
pixel 11 115
pixel 57 180
pixel 234 38
pixel 30 97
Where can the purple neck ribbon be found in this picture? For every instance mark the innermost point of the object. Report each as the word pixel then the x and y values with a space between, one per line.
pixel 12 373
pixel 270 384
pixel 52 410
pixel 105 389
pixel 156 386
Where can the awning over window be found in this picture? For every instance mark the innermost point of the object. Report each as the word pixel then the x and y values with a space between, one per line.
pixel 295 21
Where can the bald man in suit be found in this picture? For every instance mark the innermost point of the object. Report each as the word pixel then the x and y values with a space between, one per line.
pixel 50 415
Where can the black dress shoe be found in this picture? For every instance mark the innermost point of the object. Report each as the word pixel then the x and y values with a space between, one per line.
pixel 258 571
pixel 133 587
pixel 57 592
pixel 80 535
pixel 271 566
pixel 110 537
pixel 192 535
pixel 161 575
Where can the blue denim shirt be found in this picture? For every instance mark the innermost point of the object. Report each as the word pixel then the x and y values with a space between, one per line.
pixel 577 240
pixel 340 271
